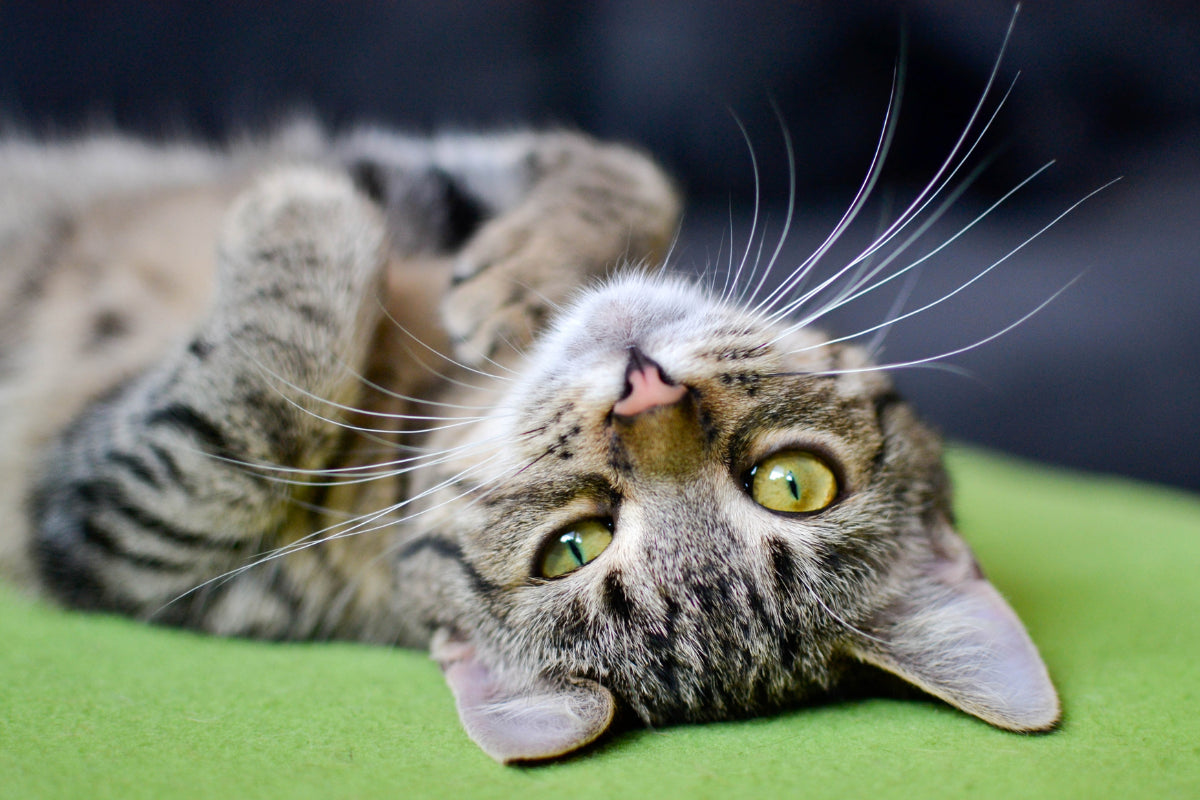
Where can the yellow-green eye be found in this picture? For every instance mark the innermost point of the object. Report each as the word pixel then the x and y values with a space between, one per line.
pixel 574 546
pixel 793 481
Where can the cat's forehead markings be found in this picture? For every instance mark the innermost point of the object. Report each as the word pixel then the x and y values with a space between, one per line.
pixel 799 409
pixel 554 492
pixel 741 353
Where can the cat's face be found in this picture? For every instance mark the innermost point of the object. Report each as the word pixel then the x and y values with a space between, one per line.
pixel 695 514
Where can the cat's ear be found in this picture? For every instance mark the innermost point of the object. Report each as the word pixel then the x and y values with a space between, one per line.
pixel 952 634
pixel 521 720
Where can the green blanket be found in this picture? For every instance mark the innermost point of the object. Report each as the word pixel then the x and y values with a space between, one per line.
pixel 1103 571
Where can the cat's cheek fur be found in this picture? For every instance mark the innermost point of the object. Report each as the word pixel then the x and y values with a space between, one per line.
pixel 950 633
pixel 532 719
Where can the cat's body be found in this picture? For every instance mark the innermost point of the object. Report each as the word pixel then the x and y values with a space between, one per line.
pixel 384 410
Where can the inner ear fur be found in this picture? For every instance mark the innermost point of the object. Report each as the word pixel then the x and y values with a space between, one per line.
pixel 520 718
pixel 949 632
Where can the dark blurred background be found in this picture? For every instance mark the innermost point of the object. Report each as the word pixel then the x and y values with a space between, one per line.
pixel 1106 377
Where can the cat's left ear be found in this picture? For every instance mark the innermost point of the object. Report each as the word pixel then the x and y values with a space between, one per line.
pixel 952 634
pixel 530 719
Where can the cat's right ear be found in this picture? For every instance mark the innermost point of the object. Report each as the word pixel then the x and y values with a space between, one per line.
pixel 527 719
pixel 951 633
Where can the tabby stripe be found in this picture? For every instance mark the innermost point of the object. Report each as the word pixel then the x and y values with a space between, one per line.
pixel 666 671
pixel 448 549
pixel 258 334
pixel 615 597
pixel 167 461
pixel 713 596
pixel 137 467
pixel 200 348
pixel 770 623
pixel 464 213
pixel 188 420
pixel 280 587
pixel 104 540
pixel 108 496
pixel 661 643
pixel 316 316
pixel 783 569
pixel 280 298
pixel 789 638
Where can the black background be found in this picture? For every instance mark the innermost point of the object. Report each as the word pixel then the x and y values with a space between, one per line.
pixel 1105 377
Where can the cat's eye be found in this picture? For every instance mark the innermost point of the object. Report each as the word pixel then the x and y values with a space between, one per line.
pixel 574 546
pixel 792 481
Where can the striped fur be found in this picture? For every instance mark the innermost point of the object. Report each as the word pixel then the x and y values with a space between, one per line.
pixel 350 388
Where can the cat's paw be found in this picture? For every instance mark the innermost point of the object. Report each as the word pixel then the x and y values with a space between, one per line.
pixel 506 283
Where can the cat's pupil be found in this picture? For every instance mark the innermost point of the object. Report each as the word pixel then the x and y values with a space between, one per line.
pixel 788 476
pixel 792 481
pixel 575 545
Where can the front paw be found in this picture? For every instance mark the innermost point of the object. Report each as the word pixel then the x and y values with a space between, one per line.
pixel 509 279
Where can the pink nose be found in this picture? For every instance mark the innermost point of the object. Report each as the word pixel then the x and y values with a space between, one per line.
pixel 646 388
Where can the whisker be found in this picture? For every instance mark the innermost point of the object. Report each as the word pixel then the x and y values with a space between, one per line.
pixel 434 350
pixel 442 376
pixel 412 398
pixel 941 356
pixel 791 206
pixel 866 188
pixel 408 464
pixel 736 281
pixel 932 190
pixel 875 346
pixel 816 595
pixel 977 276
pixel 320 537
pixel 941 178
pixel 863 285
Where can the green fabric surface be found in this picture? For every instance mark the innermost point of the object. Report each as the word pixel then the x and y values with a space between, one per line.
pixel 1103 572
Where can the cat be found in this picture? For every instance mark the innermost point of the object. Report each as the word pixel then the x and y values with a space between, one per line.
pixel 438 392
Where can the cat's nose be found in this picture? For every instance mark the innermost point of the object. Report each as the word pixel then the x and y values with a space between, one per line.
pixel 646 387
pixel 655 428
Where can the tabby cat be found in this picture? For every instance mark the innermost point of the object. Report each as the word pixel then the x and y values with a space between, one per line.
pixel 436 393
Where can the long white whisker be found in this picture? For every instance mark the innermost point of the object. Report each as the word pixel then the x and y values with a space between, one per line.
pixel 411 398
pixel 932 190
pixel 360 526
pixel 435 351
pixel 945 173
pixel 863 286
pixel 875 346
pixel 948 353
pixel 791 206
pixel 882 146
pixel 980 274
pixel 757 201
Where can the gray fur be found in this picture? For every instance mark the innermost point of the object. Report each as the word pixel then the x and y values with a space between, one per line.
pixel 369 413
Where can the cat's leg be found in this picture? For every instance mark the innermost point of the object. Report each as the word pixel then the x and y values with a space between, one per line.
pixel 167 482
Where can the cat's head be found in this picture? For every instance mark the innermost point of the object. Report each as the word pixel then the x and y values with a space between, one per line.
pixel 693 512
